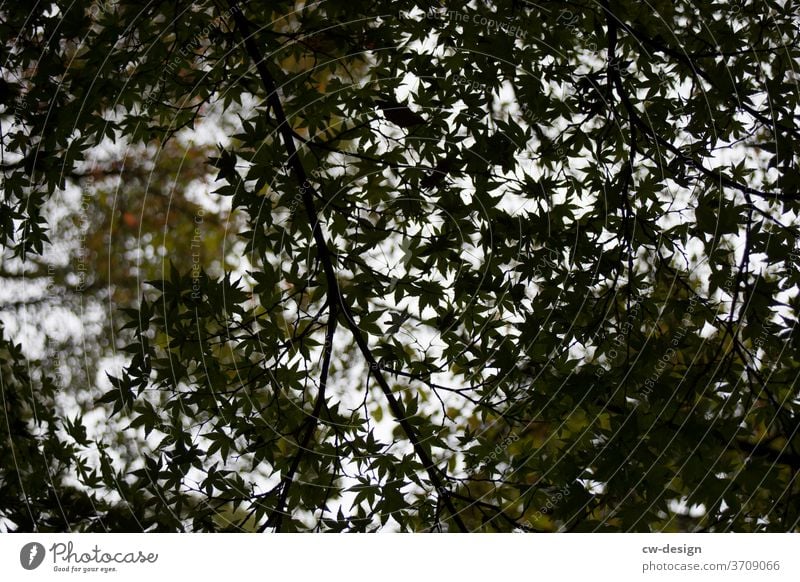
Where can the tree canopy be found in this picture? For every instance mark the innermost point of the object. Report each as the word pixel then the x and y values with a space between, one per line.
pixel 416 266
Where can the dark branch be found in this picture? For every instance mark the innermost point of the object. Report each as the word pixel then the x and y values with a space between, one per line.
pixel 334 293
pixel 611 22
pixel 276 519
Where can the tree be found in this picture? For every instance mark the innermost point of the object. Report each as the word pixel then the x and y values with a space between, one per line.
pixel 506 266
pixel 120 225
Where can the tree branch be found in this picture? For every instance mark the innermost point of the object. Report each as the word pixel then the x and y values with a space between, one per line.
pixel 647 129
pixel 334 293
pixel 276 519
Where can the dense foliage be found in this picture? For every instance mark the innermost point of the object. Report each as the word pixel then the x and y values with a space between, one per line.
pixel 488 266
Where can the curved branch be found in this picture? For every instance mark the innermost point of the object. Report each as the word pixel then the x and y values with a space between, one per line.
pixel 333 291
